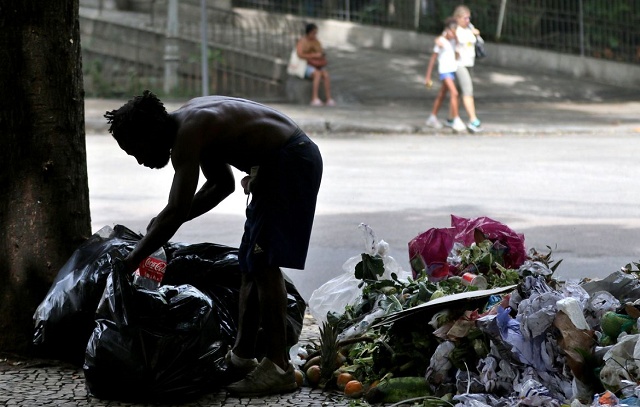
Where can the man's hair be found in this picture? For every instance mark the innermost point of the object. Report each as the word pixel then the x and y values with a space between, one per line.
pixel 310 27
pixel 143 117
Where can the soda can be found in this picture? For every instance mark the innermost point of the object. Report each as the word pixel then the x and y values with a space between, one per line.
pixel 474 280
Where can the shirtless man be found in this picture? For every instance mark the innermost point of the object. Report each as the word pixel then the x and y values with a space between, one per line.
pixel 310 49
pixel 284 168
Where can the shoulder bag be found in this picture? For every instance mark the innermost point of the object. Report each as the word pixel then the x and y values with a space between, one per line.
pixel 297 66
pixel 481 52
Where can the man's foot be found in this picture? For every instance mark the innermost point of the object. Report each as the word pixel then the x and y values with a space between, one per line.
pixel 265 379
pixel 237 367
pixel 458 125
pixel 474 126
pixel 330 102
pixel 316 102
pixel 433 122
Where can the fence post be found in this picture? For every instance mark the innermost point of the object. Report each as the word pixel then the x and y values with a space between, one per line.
pixel 503 6
pixel 204 47
pixel 171 49
pixel 581 22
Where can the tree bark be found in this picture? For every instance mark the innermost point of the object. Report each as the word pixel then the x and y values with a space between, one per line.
pixel 44 206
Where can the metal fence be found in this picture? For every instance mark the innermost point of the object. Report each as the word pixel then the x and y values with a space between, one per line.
pixel 245 55
pixel 606 29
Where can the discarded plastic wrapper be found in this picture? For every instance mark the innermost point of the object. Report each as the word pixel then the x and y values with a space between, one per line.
pixel 153 344
pixel 429 250
pixel 571 307
pixel 343 290
pixel 65 318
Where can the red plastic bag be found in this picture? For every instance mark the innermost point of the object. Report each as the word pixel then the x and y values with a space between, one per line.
pixel 429 250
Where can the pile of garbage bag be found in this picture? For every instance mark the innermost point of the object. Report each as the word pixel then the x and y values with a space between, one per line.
pixel 142 344
pixel 520 337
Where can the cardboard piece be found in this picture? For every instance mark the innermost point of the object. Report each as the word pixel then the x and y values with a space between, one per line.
pixel 447 301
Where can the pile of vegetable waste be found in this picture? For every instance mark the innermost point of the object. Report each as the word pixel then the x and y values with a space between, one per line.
pixel 438 335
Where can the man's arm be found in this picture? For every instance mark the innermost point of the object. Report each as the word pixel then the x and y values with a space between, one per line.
pixel 185 160
pixel 219 185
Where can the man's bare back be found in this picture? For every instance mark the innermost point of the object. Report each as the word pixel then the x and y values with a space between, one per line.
pixel 240 132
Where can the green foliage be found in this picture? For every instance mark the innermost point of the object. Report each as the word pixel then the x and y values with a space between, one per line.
pixel 370 268
pixel 404 348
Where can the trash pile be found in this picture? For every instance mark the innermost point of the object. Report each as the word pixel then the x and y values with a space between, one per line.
pixel 158 335
pixel 478 321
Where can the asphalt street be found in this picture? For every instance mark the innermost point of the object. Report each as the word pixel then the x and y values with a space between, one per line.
pixel 557 162
pixel 575 191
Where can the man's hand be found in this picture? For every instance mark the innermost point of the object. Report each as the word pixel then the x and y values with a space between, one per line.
pixel 128 265
pixel 246 183
pixel 125 266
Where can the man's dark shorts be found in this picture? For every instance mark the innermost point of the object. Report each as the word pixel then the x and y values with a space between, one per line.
pixel 283 204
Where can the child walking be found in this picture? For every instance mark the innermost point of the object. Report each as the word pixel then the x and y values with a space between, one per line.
pixel 444 52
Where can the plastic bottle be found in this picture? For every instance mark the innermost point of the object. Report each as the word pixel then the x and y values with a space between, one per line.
pixel 150 272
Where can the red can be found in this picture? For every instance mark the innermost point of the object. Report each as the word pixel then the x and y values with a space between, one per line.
pixel 474 280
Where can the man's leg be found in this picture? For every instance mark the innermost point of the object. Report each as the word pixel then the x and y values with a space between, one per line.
pixel 274 374
pixel 272 295
pixel 249 318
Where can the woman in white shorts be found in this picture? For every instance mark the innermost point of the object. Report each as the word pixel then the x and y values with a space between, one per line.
pixel 466 36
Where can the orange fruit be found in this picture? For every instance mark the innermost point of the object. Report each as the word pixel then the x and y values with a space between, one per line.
pixel 343 379
pixel 313 375
pixel 353 389
pixel 299 377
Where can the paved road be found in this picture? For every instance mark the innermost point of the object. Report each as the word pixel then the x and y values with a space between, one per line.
pixel 575 192
pixel 558 162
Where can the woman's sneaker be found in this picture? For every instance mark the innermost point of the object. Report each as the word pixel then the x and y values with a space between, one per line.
pixel 475 126
pixel 458 125
pixel 264 380
pixel 433 122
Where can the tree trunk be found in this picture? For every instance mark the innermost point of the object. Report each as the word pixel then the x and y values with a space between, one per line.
pixel 44 206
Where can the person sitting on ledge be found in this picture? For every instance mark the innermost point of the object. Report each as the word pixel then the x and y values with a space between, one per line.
pixel 310 49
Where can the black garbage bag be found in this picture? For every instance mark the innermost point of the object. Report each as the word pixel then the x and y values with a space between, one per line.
pixel 162 345
pixel 65 318
pixel 214 270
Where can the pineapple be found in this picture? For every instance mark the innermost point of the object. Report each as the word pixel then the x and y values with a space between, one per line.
pixel 329 353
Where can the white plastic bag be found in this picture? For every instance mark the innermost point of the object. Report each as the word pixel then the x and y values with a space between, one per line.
pixel 337 293
pixel 297 66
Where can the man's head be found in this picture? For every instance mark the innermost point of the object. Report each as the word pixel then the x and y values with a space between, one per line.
pixel 143 128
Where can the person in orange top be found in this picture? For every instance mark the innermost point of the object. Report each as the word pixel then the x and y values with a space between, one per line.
pixel 310 49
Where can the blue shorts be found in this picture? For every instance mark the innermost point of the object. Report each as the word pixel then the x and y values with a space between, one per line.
pixel 308 73
pixel 449 75
pixel 283 203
